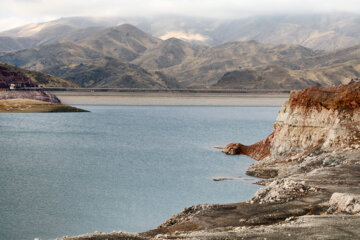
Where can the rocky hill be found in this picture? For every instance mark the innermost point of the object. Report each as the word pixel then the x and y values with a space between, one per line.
pixel 271 77
pixel 30 100
pixel 24 78
pixel 124 42
pixel 111 73
pixel 281 77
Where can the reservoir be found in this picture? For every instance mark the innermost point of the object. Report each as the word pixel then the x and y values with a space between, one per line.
pixel 125 168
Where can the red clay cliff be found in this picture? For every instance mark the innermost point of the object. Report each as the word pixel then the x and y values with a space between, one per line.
pixel 317 117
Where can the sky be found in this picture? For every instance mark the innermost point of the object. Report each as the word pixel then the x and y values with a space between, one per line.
pixel 15 13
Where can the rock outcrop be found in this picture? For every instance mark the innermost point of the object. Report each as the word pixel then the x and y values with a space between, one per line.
pixel 38 94
pixel 344 203
pixel 318 118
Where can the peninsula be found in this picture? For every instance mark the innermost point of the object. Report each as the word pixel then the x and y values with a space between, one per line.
pixel 20 91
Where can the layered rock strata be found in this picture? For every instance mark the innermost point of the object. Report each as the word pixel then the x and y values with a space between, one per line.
pixel 322 119
pixel 39 95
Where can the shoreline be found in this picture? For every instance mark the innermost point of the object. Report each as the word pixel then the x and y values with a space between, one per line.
pixel 172 99
pixel 311 205
pixel 34 106
pixel 311 178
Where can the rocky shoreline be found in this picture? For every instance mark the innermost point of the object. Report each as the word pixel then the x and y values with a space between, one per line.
pixel 311 170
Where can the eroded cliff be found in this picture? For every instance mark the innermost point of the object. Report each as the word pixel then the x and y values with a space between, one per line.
pixel 318 118
pixel 311 162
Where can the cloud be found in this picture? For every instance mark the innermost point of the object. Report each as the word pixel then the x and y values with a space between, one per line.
pixel 11 22
pixel 20 11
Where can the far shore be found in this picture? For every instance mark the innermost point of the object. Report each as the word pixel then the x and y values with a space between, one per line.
pixel 172 99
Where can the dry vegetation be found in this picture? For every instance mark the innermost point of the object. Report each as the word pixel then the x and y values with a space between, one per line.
pixel 34 106
pixel 9 73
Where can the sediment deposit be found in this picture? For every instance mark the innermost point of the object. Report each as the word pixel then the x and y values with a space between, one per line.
pixel 34 106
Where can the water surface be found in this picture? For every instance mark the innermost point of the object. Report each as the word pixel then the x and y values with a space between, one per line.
pixel 119 168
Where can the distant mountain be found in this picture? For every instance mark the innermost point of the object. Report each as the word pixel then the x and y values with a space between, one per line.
pixel 35 35
pixel 329 58
pixel 91 63
pixel 329 31
pixel 169 53
pixel 318 31
pixel 57 54
pixel 277 77
pixel 124 42
pixel 13 43
pixel 228 65
pixel 332 68
pixel 24 78
pixel 201 66
pixel 111 73
pixel 272 77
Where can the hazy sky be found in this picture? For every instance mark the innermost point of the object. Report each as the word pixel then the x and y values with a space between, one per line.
pixel 19 12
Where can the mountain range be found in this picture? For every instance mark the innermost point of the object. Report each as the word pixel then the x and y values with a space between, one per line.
pixel 93 53
pixel 327 31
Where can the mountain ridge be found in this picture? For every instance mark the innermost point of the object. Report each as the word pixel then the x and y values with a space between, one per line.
pixel 25 78
pixel 326 31
pixel 282 66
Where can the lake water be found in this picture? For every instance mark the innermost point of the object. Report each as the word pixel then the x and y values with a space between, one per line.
pixel 117 168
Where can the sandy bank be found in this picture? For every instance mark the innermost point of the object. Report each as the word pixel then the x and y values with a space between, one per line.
pixel 171 99
pixel 34 106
